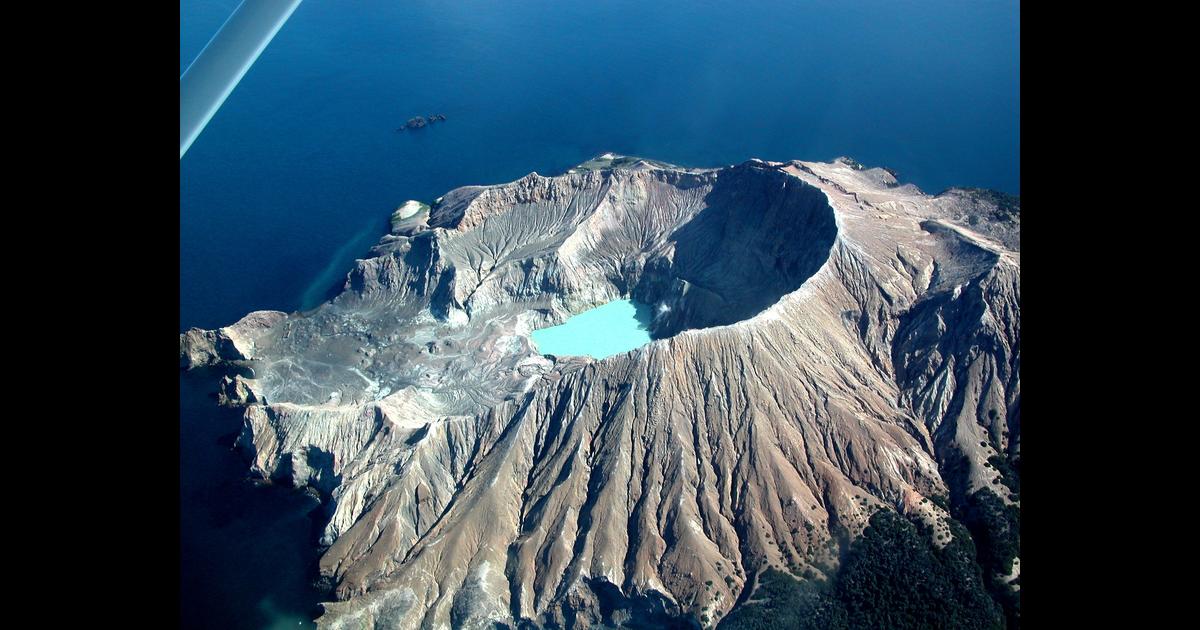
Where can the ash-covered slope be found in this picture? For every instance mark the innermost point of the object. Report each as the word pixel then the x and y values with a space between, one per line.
pixel 829 344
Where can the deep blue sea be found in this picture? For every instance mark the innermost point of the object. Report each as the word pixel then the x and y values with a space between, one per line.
pixel 297 173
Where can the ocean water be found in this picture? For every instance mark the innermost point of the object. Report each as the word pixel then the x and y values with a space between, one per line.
pixel 247 553
pixel 616 327
pixel 297 173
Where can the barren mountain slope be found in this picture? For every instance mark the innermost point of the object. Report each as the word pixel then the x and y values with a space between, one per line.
pixel 828 344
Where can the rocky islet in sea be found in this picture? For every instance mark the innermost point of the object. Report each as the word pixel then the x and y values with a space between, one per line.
pixel 419 122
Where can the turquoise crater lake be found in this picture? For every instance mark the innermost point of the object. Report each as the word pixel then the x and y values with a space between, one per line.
pixel 616 327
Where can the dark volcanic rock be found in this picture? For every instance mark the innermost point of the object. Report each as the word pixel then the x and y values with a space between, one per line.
pixel 418 122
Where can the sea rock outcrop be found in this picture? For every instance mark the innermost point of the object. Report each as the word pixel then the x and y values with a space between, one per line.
pixel 828 343
pixel 417 122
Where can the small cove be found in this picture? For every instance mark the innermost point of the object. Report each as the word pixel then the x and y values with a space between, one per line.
pixel 616 327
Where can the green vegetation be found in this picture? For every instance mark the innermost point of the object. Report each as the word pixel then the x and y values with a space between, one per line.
pixel 1007 205
pixel 851 162
pixel 997 528
pixel 1009 475
pixel 892 577
pixel 994 525
pixel 780 601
